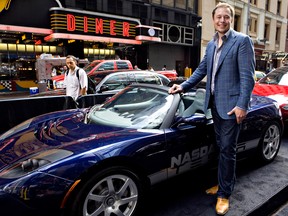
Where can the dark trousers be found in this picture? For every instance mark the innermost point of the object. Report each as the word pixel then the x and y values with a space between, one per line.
pixel 226 132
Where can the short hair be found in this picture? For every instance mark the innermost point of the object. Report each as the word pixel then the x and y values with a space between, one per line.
pixel 224 5
pixel 73 57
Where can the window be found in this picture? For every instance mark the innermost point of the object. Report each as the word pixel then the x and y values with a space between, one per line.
pixel 180 4
pixel 267 7
pixel 86 4
pixel 156 1
pixel 267 31
pixel 253 25
pixel 122 65
pixel 107 66
pixel 139 11
pixel 161 15
pixel 191 6
pixel 278 7
pixel 115 6
pixel 180 19
pixel 237 22
pixel 115 82
pixel 147 78
pixel 169 3
pixel 254 2
pixel 277 37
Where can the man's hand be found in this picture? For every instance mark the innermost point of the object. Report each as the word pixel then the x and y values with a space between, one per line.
pixel 239 113
pixel 175 89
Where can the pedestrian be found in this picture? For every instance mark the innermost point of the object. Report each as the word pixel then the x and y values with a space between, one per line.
pixel 76 79
pixel 229 64
pixel 164 68
pixel 54 72
pixel 150 68
pixel 64 69
pixel 136 67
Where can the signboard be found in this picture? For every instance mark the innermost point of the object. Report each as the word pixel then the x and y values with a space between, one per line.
pixel 92 23
pixel 279 55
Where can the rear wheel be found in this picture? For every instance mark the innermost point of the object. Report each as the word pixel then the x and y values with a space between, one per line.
pixel 269 143
pixel 111 192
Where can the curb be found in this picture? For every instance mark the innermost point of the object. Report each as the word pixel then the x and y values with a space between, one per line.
pixel 273 204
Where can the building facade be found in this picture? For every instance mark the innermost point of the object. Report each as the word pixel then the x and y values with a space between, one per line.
pixel 146 32
pixel 153 33
pixel 265 21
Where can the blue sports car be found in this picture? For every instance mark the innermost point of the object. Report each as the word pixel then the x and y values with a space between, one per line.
pixel 100 160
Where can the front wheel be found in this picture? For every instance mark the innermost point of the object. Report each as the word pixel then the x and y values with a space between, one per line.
pixel 111 192
pixel 269 143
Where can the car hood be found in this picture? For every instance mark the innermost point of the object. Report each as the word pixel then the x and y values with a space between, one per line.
pixel 61 130
pixel 276 92
pixel 58 77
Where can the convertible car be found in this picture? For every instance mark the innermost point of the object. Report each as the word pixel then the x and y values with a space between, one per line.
pixel 100 160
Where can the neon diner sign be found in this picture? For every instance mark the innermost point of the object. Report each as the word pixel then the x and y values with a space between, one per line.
pixel 92 23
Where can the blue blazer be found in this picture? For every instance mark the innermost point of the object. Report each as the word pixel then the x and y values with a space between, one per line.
pixel 234 79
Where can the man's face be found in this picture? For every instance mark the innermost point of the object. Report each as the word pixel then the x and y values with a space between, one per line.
pixel 70 63
pixel 222 20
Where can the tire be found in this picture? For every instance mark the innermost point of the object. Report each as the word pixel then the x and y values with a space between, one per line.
pixel 112 191
pixel 269 143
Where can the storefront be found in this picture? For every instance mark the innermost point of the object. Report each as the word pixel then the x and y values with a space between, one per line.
pixel 29 29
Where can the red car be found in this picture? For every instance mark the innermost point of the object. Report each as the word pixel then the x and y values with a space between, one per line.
pixel 171 74
pixel 275 85
pixel 94 67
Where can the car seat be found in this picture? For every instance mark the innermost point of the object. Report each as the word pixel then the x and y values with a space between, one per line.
pixel 197 105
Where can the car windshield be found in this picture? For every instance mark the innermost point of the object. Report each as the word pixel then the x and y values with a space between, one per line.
pixel 278 77
pixel 89 67
pixel 136 107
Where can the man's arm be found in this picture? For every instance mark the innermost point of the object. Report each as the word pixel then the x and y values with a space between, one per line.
pixel 246 65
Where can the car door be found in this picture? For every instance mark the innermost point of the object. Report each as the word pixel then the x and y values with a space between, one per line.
pixel 189 146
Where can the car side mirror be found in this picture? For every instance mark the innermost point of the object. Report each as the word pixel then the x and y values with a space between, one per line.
pixel 196 119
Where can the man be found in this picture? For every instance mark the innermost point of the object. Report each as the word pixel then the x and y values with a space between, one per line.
pixel 76 80
pixel 136 67
pixel 229 64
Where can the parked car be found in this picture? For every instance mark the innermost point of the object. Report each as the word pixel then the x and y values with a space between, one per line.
pixel 103 65
pixel 114 81
pixel 96 66
pixel 100 160
pixel 171 74
pixel 275 85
